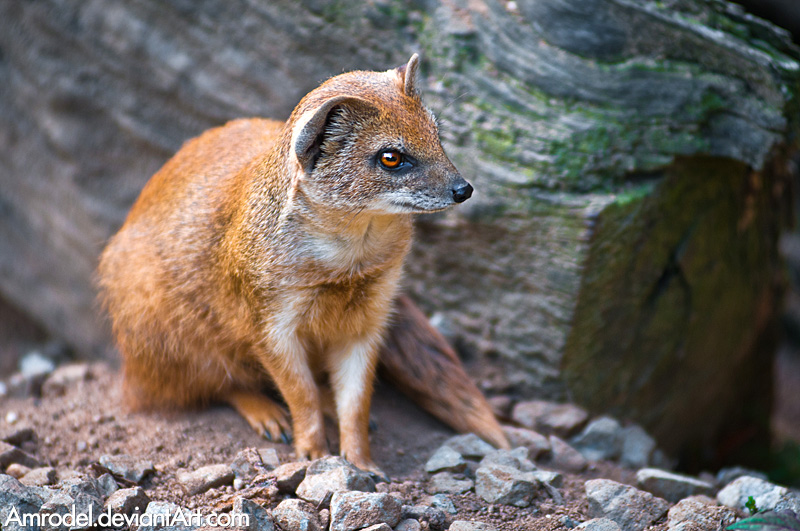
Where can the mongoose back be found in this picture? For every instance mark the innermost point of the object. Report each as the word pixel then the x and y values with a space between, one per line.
pixel 266 251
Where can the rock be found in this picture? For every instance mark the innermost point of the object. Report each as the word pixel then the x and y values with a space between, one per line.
pixel 127 467
pixel 433 516
pixel 269 458
pixel 507 486
pixel 670 486
pixel 448 483
pixel 289 476
pixel 789 502
pixel 351 511
pixel 332 474
pixel 159 513
pixel 258 517
pixel 293 514
pixel 501 405
pixel 378 527
pixel 39 477
pixel 727 475
pixel 766 495
pixel 599 524
pixel 65 377
pixel 128 501
pixel 106 485
pixel 16 498
pixel 549 477
pixel 464 525
pixel 562 420
pixel 20 436
pixel 702 511
pixel 408 524
pixel 516 458
pixel 16 471
pixel 600 440
pixel 536 443
pixel 79 499
pixel 11 454
pixel 631 508
pixel 469 445
pixel 247 464
pixel 34 364
pixel 445 459
pixel 565 457
pixel 637 447
pixel 205 478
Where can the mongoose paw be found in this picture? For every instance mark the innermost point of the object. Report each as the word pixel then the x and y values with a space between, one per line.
pixel 264 415
pixel 372 469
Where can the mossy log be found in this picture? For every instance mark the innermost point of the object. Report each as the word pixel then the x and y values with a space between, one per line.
pixel 629 159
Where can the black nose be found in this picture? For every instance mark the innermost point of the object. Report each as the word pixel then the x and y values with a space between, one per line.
pixel 462 192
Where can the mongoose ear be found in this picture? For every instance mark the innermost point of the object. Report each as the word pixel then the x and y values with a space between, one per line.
pixel 408 75
pixel 308 132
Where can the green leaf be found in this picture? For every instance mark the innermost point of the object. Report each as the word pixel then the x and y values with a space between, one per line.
pixel 768 521
pixel 751 505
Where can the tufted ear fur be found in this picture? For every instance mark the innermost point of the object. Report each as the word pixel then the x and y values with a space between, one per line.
pixel 310 128
pixel 408 75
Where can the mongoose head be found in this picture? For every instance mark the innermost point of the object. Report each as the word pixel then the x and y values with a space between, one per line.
pixel 365 142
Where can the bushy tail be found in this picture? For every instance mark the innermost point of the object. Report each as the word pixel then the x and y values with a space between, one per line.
pixel 419 362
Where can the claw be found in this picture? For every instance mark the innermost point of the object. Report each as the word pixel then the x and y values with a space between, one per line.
pixel 373 426
pixel 267 435
pixel 286 437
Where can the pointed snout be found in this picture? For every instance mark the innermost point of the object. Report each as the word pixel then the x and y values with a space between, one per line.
pixel 462 190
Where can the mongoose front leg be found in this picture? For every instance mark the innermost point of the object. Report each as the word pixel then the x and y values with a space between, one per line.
pixel 352 372
pixel 263 414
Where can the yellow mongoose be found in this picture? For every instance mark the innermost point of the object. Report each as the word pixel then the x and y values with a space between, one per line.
pixel 269 251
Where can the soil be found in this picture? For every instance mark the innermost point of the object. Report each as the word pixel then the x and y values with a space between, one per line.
pixel 90 420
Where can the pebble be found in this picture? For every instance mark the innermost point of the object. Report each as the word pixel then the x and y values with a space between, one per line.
pixel 11 454
pixel 39 477
pixel 565 457
pixel 247 464
pixel 259 518
pixel 600 440
pixel 632 509
pixel 506 485
pixel 516 458
pixel 130 468
pixel 65 377
pixel 128 501
pixel 289 476
pixel 293 514
pixel 269 458
pixel 599 524
pixel 378 527
pixel 562 420
pixel 15 495
pixel 766 495
pixel 408 524
pixel 466 525
pixel 158 511
pixel 106 485
pixel 469 445
pixel 637 447
pixel 15 470
pixel 351 511
pixel 205 478
pixel 536 443
pixel 448 483
pixel 727 475
pixel 670 486
pixel 445 459
pixel 702 511
pixel 332 474
pixel 432 516
pixel 20 436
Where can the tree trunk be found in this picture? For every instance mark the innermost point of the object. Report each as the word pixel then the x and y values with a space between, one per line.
pixel 629 159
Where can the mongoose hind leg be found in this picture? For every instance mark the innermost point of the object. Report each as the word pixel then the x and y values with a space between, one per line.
pixel 266 416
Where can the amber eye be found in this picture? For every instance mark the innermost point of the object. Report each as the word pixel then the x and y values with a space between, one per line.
pixel 390 160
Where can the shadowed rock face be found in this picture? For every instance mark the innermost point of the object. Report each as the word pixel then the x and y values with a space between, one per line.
pixel 627 159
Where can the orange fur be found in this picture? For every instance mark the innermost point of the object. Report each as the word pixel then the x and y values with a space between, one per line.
pixel 265 251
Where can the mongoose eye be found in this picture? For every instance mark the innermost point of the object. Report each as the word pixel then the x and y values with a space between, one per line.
pixel 391 160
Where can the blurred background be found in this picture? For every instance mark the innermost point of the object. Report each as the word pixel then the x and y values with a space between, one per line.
pixel 632 245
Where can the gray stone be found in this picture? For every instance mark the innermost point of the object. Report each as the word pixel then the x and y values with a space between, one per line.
pixel 600 440
pixel 409 524
pixel 128 501
pixel 205 478
pixel 259 518
pixel 468 525
pixel 506 485
pixel 536 443
pixel 565 457
pixel 158 514
pixel 17 499
pixel 632 509
pixel 562 420
pixel 329 475
pixel 293 514
pixel 106 485
pixel 670 486
pixel 549 477
pixel 79 499
pixel 637 447
pixel 378 527
pixel 445 459
pixel 289 476
pixel 65 377
pixel 599 524
pixel 39 477
pixel 35 364
pixel 789 502
pixel 247 464
pixel 20 436
pixel 269 458
pixel 11 454
pixel 448 483
pixel 469 445
pixel 516 458
pixel 702 511
pixel 127 467
pixel 351 511
pixel 434 516
pixel 766 495
pixel 727 475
